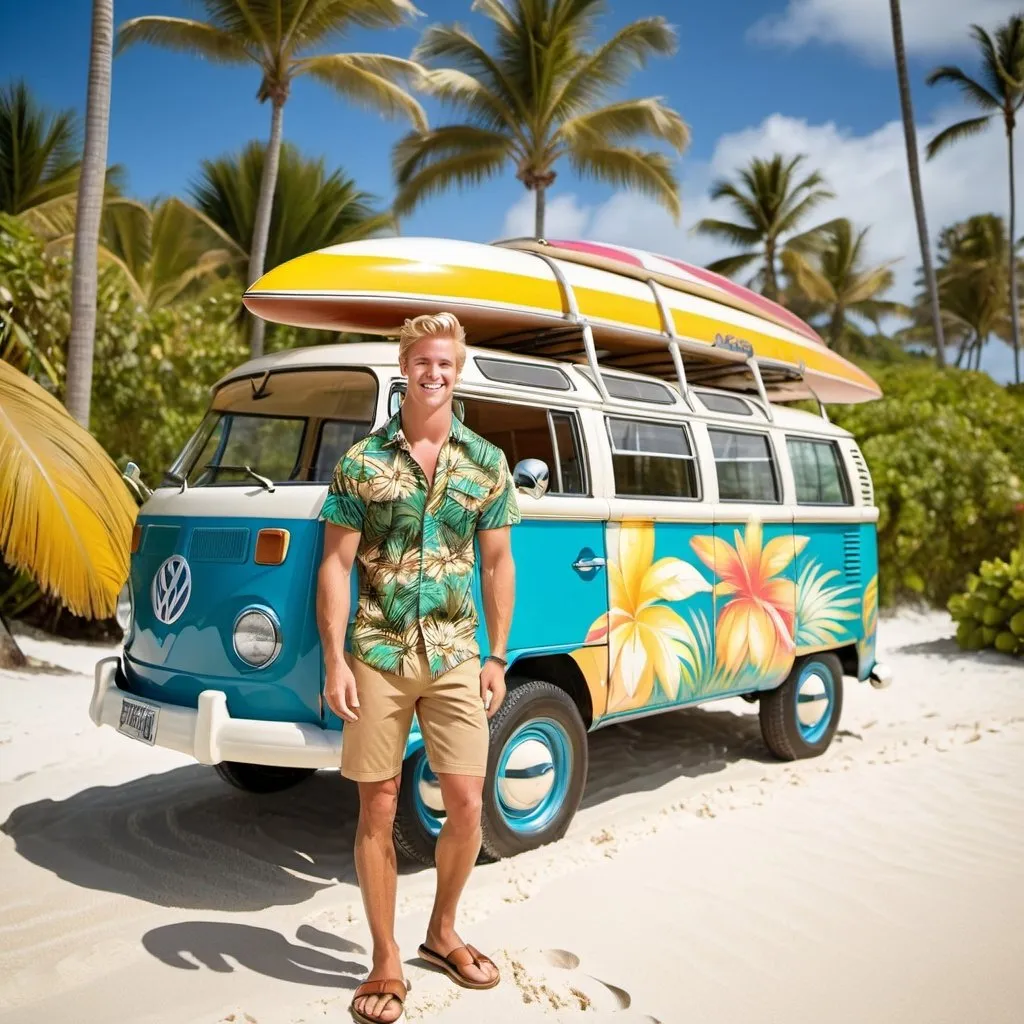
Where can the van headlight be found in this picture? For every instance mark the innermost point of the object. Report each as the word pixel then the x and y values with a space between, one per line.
pixel 256 638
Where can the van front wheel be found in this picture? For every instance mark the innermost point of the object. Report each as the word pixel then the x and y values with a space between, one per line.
pixel 261 778
pixel 800 718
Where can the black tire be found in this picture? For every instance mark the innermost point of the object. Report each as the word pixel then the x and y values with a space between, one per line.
pixel 412 837
pixel 542 703
pixel 786 737
pixel 261 778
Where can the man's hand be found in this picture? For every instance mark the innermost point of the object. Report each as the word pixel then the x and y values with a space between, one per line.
pixel 492 686
pixel 340 691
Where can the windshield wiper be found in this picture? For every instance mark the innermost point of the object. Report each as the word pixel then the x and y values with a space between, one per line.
pixel 267 484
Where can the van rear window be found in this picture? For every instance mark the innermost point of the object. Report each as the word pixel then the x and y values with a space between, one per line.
pixel 818 472
pixel 744 465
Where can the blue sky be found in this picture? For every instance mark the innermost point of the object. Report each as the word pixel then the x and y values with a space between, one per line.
pixel 751 76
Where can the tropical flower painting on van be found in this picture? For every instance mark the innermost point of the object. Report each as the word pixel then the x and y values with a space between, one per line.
pixel 754 630
pixel 869 621
pixel 648 642
pixel 823 609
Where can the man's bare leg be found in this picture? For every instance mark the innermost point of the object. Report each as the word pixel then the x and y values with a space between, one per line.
pixel 458 846
pixel 377 871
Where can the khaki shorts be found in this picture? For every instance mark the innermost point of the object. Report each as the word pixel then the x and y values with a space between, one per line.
pixel 451 715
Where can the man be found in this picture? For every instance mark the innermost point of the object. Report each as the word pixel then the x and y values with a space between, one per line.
pixel 407 503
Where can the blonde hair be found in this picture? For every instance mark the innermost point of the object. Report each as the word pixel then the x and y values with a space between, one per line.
pixel 439 325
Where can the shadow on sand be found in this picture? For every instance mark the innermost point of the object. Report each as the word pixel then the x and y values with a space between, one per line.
pixel 183 838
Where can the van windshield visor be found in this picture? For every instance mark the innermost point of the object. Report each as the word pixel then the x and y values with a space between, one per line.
pixel 291 427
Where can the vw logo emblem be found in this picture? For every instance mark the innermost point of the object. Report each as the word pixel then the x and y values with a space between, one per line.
pixel 172 587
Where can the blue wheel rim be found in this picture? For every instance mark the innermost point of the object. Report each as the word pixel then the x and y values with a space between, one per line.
pixel 427 793
pixel 815 699
pixel 533 775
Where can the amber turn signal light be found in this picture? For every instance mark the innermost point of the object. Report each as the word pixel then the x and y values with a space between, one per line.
pixel 136 537
pixel 272 547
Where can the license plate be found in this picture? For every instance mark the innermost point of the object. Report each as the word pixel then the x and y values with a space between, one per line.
pixel 138 720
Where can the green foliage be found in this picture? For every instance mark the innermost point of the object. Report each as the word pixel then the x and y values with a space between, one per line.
pixel 990 612
pixel 35 305
pixel 945 449
pixel 153 373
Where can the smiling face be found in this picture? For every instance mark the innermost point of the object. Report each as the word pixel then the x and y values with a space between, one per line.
pixel 431 367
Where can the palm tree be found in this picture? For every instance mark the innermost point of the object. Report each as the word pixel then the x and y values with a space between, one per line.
pixel 87 215
pixel 167 251
pixel 972 276
pixel 834 284
pixel 913 166
pixel 39 153
pixel 68 515
pixel 272 35
pixel 535 97
pixel 772 203
pixel 312 209
pixel 998 90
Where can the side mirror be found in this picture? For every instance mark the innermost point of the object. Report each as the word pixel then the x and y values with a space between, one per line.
pixel 531 477
pixel 132 476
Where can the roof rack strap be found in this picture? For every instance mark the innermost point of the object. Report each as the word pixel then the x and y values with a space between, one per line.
pixel 668 327
pixel 572 313
pixel 755 372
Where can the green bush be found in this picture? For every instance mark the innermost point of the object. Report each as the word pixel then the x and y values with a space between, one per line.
pixel 946 452
pixel 990 613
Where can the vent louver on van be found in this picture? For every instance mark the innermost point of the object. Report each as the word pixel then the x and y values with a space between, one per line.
pixel 213 545
pixel 851 555
pixel 867 491
pixel 160 541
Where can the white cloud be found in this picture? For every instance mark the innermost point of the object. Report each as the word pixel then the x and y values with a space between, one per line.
pixel 929 26
pixel 868 173
pixel 564 217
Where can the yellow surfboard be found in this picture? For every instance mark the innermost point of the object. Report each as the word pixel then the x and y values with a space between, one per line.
pixel 529 296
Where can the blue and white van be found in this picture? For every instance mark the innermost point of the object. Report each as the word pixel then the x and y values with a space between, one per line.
pixel 679 544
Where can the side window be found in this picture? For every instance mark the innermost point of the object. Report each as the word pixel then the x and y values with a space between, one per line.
pixel 744 465
pixel 652 459
pixel 529 432
pixel 818 472
pixel 336 437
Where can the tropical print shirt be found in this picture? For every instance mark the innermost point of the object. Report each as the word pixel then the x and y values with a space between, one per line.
pixel 416 554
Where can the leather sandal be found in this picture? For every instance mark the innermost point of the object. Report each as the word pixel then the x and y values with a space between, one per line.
pixel 459 957
pixel 383 986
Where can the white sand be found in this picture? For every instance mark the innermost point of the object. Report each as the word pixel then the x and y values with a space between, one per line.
pixel 700 881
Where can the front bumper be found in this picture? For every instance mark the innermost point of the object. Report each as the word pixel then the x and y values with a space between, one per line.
pixel 209 733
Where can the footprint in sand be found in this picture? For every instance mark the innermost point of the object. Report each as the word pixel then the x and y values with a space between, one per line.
pixel 552 979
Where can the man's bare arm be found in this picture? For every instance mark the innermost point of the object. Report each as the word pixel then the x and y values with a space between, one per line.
pixel 498 583
pixel 333 590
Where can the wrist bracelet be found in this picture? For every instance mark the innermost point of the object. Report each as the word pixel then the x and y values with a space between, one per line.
pixel 494 657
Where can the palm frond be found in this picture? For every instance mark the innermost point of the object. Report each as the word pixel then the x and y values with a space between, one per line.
pixel 789 219
pixel 65 514
pixel 956 132
pixel 314 22
pixel 416 150
pixel 809 281
pixel 738 234
pixel 186 36
pixel 627 120
pixel 610 64
pixel 459 170
pixel 728 266
pixel 649 173
pixel 972 90
pixel 372 79
pixel 457 46
pixel 462 90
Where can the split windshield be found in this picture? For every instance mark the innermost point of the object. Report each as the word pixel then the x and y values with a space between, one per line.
pixel 291 427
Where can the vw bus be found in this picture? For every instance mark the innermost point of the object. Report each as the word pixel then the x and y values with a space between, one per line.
pixel 685 537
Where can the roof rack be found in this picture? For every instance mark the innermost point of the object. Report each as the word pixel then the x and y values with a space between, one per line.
pixel 563 342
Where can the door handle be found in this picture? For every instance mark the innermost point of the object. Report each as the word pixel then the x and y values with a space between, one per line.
pixel 589 563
